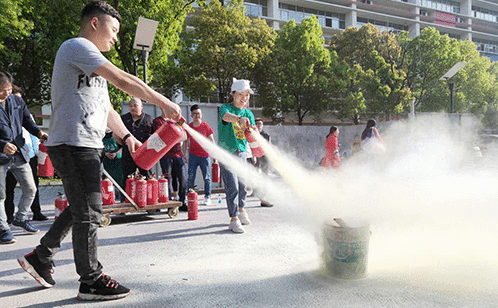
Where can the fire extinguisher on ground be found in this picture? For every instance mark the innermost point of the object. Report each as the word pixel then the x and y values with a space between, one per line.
pixel 107 192
pixel 256 149
pixel 141 198
pixel 60 205
pixel 215 174
pixel 163 195
pixel 45 167
pixel 193 205
pixel 131 188
pixel 154 148
pixel 152 190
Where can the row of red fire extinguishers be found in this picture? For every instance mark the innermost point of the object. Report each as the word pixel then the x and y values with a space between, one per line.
pixel 150 192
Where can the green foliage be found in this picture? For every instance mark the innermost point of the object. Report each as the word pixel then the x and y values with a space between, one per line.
pixel 430 55
pixel 224 43
pixel 375 79
pixel 300 72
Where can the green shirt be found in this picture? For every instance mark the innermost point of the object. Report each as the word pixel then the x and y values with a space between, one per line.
pixel 230 136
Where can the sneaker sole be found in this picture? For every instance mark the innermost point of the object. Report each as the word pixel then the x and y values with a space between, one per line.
pixel 9 242
pixel 236 231
pixel 30 269
pixel 98 297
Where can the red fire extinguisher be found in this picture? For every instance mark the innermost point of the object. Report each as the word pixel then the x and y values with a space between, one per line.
pixel 152 191
pixel 131 188
pixel 45 167
pixel 162 194
pixel 215 174
pixel 154 148
pixel 141 198
pixel 60 204
pixel 107 192
pixel 193 205
pixel 256 149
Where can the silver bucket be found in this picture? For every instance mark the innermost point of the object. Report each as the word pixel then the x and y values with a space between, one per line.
pixel 346 248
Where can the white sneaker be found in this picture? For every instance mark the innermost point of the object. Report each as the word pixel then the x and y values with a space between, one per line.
pixel 235 226
pixel 207 201
pixel 244 218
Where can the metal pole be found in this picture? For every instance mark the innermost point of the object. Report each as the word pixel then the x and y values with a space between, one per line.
pixel 121 190
pixel 450 85
pixel 144 60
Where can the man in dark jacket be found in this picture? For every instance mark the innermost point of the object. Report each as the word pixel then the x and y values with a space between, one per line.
pixel 14 156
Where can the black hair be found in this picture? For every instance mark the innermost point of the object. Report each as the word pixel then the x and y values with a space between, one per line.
pixel 258 120
pixel 16 89
pixel 332 130
pixel 370 123
pixel 194 107
pixel 368 131
pixel 96 8
pixel 5 78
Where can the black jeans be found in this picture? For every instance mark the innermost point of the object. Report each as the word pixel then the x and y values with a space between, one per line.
pixel 174 167
pixel 80 170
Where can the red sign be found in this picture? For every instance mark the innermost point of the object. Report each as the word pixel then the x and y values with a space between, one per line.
pixel 445 19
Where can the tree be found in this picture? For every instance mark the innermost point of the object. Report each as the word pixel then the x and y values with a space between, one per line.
pixel 300 72
pixel 53 22
pixel 430 55
pixel 223 44
pixel 376 80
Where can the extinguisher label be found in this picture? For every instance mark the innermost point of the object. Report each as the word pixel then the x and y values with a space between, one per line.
pixel 155 143
pixel 41 158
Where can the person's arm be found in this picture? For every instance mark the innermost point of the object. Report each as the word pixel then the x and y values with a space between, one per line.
pixel 119 131
pixel 233 118
pixel 137 88
pixel 377 134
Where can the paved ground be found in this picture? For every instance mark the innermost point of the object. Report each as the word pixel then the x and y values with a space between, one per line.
pixel 180 263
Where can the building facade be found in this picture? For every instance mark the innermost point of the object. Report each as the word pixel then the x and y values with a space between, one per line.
pixel 474 20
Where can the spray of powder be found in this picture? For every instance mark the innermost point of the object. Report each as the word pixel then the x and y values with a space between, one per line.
pixel 432 205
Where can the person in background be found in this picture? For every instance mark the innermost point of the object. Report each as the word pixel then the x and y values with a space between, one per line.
pixel 370 131
pixel 112 162
pixel 81 111
pixel 10 183
pixel 173 164
pixel 197 156
pixel 234 119
pixel 139 124
pixel 14 156
pixel 332 159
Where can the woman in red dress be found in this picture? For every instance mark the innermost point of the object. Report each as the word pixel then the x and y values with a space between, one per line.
pixel 332 158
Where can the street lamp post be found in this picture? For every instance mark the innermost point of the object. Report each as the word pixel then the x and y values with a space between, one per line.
pixel 144 38
pixel 451 85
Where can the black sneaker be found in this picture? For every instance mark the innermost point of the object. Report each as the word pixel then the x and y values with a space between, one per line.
pixel 104 288
pixel 41 272
pixel 26 226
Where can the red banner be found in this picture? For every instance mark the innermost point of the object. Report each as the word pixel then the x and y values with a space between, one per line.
pixel 445 19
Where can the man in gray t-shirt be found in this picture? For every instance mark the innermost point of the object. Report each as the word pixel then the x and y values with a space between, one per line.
pixel 81 111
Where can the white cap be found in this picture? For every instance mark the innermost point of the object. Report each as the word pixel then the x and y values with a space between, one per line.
pixel 241 85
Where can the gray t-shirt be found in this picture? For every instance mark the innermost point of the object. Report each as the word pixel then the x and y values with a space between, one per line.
pixel 80 99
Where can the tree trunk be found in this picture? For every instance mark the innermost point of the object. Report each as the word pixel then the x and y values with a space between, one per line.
pixel 356 119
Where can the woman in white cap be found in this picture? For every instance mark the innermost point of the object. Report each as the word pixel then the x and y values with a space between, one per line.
pixel 233 121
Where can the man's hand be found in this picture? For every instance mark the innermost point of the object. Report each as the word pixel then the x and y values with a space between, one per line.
pixel 9 148
pixel 133 144
pixel 43 136
pixel 172 111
